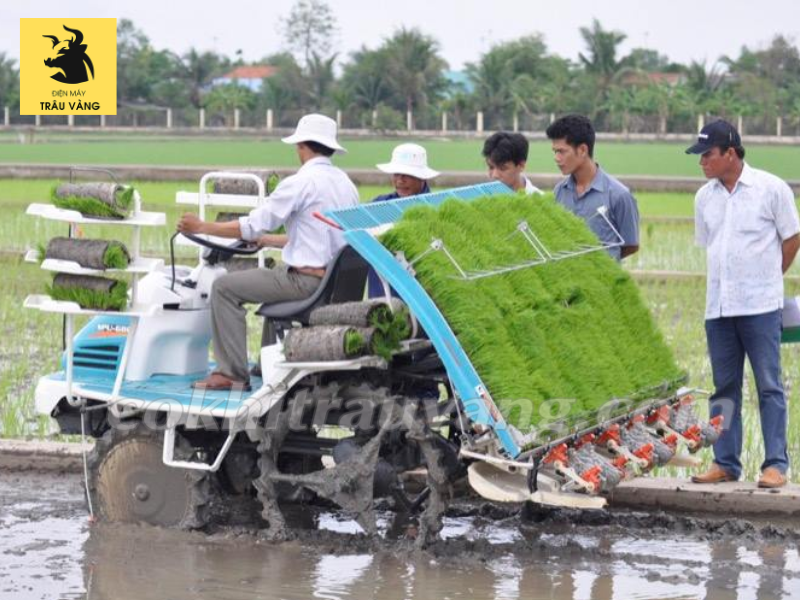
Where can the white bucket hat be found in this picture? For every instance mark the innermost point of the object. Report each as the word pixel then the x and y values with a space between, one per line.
pixel 316 128
pixel 409 159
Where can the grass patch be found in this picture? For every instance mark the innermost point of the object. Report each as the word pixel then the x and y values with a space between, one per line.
pixel 574 330
pixel 31 348
pixel 623 158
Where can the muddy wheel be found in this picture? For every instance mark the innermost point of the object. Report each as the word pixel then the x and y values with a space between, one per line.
pixel 129 483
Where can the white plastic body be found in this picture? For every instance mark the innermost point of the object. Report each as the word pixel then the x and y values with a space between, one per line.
pixel 174 342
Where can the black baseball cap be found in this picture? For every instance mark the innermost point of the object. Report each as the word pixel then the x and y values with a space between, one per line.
pixel 717 134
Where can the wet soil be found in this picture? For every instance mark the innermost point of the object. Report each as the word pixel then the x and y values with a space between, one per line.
pixel 48 549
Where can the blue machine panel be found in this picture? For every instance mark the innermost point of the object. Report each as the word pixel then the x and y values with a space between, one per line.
pixel 97 348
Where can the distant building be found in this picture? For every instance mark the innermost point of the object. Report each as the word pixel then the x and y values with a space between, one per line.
pixel 251 77
pixel 459 82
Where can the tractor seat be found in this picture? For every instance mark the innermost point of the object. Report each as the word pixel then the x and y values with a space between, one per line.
pixel 343 281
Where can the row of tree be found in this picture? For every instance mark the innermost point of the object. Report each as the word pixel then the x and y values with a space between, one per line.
pixel 512 80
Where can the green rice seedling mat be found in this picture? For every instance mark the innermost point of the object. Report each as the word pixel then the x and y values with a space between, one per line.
pixel 575 331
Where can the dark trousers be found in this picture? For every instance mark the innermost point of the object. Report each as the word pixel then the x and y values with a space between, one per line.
pixel 758 337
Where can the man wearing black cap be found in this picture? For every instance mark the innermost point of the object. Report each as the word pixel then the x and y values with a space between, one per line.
pixel 747 221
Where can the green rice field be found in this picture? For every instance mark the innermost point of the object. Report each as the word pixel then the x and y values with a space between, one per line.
pixel 634 158
pixel 31 341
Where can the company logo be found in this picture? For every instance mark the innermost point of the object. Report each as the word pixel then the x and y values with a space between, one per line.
pixel 68 66
pixel 71 59
pixel 105 330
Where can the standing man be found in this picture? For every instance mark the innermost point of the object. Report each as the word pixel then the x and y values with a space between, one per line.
pixel 588 188
pixel 410 175
pixel 506 155
pixel 309 246
pixel 747 221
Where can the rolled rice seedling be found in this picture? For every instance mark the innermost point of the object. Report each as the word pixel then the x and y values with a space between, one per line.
pixel 96 293
pixel 98 200
pixel 236 187
pixel 369 313
pixel 325 343
pixel 574 330
pixel 391 323
pixel 246 187
pixel 90 254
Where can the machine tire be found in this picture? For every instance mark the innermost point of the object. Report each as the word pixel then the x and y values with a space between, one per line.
pixel 129 483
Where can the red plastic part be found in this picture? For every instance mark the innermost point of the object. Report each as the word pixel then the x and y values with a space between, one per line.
pixel 692 433
pixel 634 420
pixel 716 422
pixel 645 453
pixel 326 220
pixel 660 414
pixel 559 453
pixel 592 476
pixel 610 434
pixel 671 440
pixel 586 439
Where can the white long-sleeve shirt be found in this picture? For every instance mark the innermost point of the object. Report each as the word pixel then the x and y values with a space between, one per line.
pixel 743 232
pixel 318 186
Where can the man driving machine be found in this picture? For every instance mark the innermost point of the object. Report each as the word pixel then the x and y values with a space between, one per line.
pixel 308 247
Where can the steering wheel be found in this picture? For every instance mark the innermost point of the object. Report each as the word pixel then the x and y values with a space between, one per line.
pixel 238 247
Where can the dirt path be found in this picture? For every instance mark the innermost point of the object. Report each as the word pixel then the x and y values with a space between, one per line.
pixel 48 550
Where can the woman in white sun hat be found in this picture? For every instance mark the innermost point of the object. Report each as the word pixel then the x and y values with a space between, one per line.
pixel 409 171
pixel 410 174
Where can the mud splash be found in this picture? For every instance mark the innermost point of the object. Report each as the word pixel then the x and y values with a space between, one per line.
pixel 48 550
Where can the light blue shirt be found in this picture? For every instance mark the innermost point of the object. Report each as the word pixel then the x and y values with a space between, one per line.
pixel 621 209
pixel 743 233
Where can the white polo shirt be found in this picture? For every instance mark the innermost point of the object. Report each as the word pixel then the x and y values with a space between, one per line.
pixel 318 186
pixel 743 232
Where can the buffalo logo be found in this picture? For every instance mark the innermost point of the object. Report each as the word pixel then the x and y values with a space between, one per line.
pixel 70 59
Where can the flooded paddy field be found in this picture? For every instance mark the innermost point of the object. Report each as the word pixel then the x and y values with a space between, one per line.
pixel 49 550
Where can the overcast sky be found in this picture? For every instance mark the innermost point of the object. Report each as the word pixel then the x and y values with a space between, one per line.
pixel 684 30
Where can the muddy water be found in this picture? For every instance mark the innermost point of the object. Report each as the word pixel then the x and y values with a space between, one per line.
pixel 48 550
